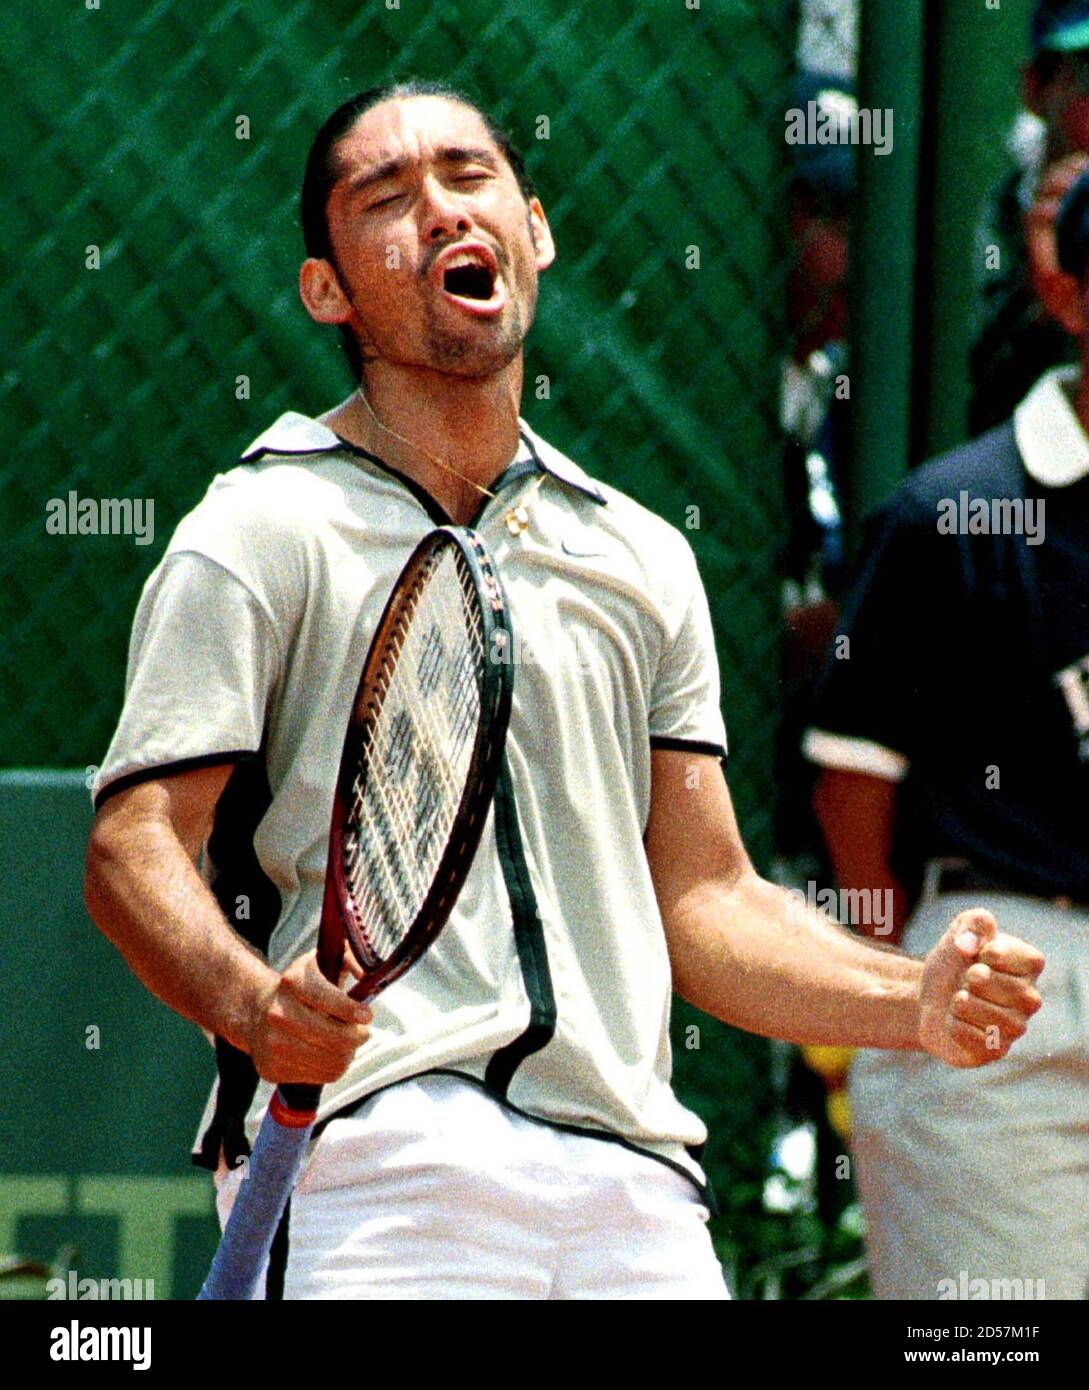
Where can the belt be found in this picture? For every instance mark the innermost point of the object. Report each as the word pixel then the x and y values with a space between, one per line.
pixel 961 876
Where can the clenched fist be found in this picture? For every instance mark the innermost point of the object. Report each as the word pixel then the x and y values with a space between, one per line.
pixel 978 991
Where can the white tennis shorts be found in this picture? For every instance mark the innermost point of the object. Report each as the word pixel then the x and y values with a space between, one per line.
pixel 434 1190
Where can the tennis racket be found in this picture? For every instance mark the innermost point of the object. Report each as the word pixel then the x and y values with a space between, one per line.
pixel 417 774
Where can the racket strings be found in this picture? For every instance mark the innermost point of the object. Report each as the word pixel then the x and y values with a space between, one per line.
pixel 394 750
pixel 405 827
pixel 421 722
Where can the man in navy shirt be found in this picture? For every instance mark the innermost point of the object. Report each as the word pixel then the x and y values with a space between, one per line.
pixel 952 728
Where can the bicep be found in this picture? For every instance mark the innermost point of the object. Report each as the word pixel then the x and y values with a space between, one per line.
pixel 183 803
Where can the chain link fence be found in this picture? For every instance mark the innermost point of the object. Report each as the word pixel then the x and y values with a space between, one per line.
pixel 151 247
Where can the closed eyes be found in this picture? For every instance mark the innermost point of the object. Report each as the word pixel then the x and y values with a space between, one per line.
pixel 476 176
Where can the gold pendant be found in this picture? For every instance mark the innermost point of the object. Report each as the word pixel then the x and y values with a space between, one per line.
pixel 517 520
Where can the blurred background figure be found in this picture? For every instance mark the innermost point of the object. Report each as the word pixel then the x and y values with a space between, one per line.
pixel 1017 341
pixel 821 192
pixel 953 738
pixel 814 411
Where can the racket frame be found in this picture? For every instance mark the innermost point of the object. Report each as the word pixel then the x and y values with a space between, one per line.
pixel 296 1105
pixel 339 915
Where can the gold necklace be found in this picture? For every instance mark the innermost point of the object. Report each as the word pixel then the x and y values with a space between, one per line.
pixel 485 492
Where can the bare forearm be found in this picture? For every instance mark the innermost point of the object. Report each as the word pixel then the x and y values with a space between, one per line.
pixel 857 816
pixel 757 957
pixel 753 956
pixel 145 895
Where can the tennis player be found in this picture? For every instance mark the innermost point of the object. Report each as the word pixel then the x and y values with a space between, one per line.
pixel 504 1124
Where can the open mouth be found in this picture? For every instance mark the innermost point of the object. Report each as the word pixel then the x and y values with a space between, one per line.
pixel 470 281
pixel 468 274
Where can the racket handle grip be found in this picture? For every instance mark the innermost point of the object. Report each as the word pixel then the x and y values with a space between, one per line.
pixel 299 1100
pixel 274 1167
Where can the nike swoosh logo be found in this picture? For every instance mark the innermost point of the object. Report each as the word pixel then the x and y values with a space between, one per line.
pixel 581 554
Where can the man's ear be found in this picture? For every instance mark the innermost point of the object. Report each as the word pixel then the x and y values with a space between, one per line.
pixel 321 292
pixel 1064 298
pixel 1061 294
pixel 541 233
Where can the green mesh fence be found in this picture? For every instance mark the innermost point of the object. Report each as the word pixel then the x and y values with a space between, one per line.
pixel 664 144
pixel 150 246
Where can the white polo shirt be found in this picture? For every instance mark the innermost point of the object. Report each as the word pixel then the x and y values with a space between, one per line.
pixel 550 986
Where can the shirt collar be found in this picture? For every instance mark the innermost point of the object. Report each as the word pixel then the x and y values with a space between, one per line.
pixel 1051 440
pixel 295 434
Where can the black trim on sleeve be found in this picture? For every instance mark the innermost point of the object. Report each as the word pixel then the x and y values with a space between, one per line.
pixel 529 941
pixel 688 745
pixel 151 774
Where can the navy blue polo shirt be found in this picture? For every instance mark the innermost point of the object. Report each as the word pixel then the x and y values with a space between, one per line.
pixel 966 677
